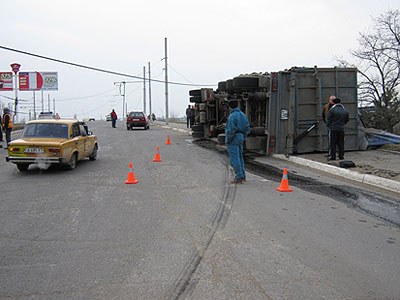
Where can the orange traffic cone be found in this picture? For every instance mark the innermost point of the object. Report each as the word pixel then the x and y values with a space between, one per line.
pixel 284 183
pixel 168 142
pixel 131 176
pixel 157 157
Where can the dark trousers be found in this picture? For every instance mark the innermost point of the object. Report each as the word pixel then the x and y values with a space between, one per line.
pixel 188 122
pixel 8 135
pixel 1 134
pixel 337 140
pixel 113 121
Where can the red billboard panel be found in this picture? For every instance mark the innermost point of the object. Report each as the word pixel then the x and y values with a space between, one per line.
pixel 6 82
pixel 33 81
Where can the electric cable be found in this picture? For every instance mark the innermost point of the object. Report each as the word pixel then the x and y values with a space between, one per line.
pixel 97 69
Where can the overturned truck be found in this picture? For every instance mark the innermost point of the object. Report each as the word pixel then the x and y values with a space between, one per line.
pixel 284 108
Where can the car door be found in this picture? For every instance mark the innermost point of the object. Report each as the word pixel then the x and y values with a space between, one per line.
pixel 86 140
pixel 79 140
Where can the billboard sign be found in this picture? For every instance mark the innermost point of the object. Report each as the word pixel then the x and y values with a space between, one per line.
pixel 6 82
pixel 34 81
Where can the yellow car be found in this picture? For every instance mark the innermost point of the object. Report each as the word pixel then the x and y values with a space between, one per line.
pixel 52 141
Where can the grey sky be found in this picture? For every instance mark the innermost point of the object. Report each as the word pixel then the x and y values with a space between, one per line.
pixel 208 42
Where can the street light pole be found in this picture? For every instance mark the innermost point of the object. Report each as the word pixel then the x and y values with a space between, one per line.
pixel 166 83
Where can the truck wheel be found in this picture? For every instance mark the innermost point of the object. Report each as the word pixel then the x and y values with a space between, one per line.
pixel 229 85
pixel 72 163
pixel 22 167
pixel 197 135
pixel 195 99
pixel 93 156
pixel 197 128
pixel 195 93
pixel 222 86
pixel 245 82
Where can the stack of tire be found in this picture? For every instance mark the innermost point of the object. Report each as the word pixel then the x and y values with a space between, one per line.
pixel 195 96
pixel 197 131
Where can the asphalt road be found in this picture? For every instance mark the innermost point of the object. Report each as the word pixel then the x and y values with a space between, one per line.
pixel 182 232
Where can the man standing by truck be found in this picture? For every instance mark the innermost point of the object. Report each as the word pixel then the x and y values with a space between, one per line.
pixel 337 117
pixel 327 107
pixel 113 119
pixel 237 128
pixel 7 125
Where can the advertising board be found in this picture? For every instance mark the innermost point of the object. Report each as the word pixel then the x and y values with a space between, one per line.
pixel 34 81
pixel 6 81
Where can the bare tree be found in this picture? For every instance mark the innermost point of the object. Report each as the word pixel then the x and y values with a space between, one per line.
pixel 378 62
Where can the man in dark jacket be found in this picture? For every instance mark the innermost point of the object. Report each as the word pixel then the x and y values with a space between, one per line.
pixel 337 117
pixel 7 125
pixel 188 116
pixel 113 119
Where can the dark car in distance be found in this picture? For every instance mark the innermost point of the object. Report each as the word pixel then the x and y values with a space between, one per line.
pixel 137 119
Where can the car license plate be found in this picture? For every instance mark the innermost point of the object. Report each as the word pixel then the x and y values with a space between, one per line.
pixel 33 150
pixel 136 119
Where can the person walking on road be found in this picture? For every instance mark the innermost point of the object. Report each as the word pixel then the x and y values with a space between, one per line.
pixel 327 107
pixel 113 119
pixel 7 125
pixel 192 116
pixel 237 128
pixel 337 117
pixel 1 131
pixel 188 113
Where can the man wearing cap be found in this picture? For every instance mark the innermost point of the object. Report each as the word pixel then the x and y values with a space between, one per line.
pixel 7 125
pixel 337 117
pixel 237 128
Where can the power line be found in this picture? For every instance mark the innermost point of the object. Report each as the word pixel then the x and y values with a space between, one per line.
pixel 96 69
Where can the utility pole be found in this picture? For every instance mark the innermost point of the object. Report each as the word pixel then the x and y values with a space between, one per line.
pixel 34 105
pixel 149 91
pixel 54 105
pixel 123 104
pixel 166 83
pixel 144 91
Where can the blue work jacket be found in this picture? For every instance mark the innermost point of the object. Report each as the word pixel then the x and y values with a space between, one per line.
pixel 237 127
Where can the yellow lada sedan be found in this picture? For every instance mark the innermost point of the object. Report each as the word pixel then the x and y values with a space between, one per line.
pixel 53 141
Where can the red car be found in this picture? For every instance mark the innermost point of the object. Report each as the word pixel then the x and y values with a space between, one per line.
pixel 137 119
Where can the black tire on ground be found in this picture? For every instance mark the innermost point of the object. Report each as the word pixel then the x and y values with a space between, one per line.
pixel 197 128
pixel 245 82
pixel 22 167
pixel 72 163
pixel 195 99
pixel 93 156
pixel 222 86
pixel 197 135
pixel 195 93
pixel 128 128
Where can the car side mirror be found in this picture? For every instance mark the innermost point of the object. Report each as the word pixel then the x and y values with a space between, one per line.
pixel 90 133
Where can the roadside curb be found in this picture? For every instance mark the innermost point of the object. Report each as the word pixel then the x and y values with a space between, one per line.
pixel 376 181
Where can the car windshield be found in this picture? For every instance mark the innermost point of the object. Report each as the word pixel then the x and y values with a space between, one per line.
pixel 136 114
pixel 46 130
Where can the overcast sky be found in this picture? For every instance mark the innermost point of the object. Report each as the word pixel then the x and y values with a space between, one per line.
pixel 208 41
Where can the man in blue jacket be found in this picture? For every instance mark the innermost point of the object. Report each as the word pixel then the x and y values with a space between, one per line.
pixel 337 117
pixel 237 128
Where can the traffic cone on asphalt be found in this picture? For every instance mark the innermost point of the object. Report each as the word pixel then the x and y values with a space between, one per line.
pixel 157 157
pixel 131 176
pixel 168 142
pixel 284 183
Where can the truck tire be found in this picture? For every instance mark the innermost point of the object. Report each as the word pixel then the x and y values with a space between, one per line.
pixel 221 139
pixel 197 128
pixel 258 96
pixel 245 82
pixel 222 86
pixel 197 135
pixel 229 85
pixel 93 156
pixel 195 93
pixel 195 99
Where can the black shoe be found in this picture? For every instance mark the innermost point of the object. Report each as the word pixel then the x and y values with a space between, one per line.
pixel 331 158
pixel 341 158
